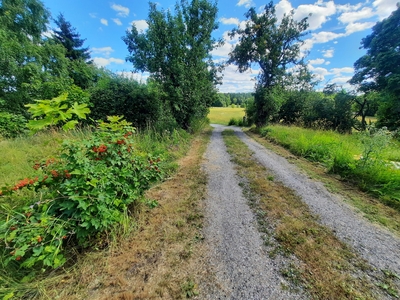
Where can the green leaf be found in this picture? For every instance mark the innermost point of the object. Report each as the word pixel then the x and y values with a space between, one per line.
pixel 8 296
pixel 81 110
pixel 70 125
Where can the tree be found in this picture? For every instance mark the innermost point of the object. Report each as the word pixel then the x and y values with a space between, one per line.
pixel 70 39
pixel 176 51
pixel 274 47
pixel 81 69
pixel 379 68
pixel 29 66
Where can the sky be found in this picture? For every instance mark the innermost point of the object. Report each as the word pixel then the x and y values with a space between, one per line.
pixel 332 42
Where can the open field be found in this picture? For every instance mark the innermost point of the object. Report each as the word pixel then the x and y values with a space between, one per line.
pixel 222 115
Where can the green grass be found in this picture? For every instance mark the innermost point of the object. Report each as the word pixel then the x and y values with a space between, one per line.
pixel 346 155
pixel 16 162
pixel 222 115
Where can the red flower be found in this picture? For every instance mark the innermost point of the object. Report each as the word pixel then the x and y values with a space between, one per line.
pixel 54 173
pixel 121 142
pixel 128 134
pixel 36 166
pixel 67 174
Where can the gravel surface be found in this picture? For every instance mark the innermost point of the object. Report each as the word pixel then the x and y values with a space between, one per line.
pixel 374 243
pixel 238 258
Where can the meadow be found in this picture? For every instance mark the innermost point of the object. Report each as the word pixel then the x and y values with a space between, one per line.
pixel 222 115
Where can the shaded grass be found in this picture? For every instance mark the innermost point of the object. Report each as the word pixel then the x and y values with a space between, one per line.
pixel 330 270
pixel 222 115
pixel 154 254
pixel 346 155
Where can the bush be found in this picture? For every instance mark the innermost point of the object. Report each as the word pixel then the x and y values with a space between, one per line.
pixel 84 192
pixel 11 125
pixel 236 122
pixel 140 103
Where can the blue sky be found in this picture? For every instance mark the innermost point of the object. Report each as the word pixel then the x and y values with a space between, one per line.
pixel 336 29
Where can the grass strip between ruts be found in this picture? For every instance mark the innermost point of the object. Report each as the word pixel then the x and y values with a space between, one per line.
pixel 329 270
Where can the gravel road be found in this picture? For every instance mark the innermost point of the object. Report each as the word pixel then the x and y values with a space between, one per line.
pixel 241 264
pixel 243 269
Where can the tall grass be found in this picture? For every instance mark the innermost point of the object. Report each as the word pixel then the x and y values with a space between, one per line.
pixel 222 115
pixel 363 158
pixel 16 162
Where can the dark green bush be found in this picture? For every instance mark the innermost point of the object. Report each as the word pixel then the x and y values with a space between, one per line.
pixel 12 125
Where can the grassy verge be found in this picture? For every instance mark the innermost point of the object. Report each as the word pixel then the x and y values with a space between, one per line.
pixel 369 206
pixel 20 282
pixel 222 115
pixel 329 270
pixel 365 159
pixel 154 254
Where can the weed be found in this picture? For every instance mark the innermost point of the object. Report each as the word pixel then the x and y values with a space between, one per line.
pixel 189 288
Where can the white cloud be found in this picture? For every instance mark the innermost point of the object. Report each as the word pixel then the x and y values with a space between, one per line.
pixel 318 61
pixel 348 7
pixel 102 62
pixel 282 7
pixel 245 3
pixel 104 22
pixel 234 81
pixel 384 7
pixel 338 71
pixel 327 63
pixel 122 11
pixel 117 21
pixel 320 11
pixel 140 77
pixel 355 27
pixel 93 15
pixel 319 72
pixel 103 51
pixel 340 80
pixel 354 16
pixel 141 25
pixel 222 51
pixel 328 53
pixel 325 36
pixel 229 21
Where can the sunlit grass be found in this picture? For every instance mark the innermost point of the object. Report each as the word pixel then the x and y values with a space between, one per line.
pixel 343 155
pixel 222 115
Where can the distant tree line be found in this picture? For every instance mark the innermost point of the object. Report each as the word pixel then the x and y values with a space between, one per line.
pixel 228 99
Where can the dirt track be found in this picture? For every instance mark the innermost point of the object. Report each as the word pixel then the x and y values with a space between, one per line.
pixel 243 269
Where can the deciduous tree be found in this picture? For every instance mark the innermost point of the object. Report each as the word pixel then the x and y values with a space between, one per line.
pixel 176 51
pixel 272 44
pixel 379 68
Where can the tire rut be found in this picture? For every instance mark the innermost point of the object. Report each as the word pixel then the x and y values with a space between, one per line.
pixel 238 258
pixel 372 242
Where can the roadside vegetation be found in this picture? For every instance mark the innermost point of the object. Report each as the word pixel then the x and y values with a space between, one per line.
pixel 368 159
pixel 328 269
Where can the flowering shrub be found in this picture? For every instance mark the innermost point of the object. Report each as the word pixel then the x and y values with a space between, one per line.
pixel 87 190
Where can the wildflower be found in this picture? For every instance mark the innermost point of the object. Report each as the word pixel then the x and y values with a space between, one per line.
pixel 121 142
pixel 54 173
pixel 36 166
pixel 67 174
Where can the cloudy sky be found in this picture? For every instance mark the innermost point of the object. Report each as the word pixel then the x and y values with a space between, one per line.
pixel 335 32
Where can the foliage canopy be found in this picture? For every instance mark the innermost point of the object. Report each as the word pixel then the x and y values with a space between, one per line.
pixel 175 50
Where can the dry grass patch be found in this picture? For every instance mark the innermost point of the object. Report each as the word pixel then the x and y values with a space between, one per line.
pixel 329 270
pixel 370 207
pixel 158 258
